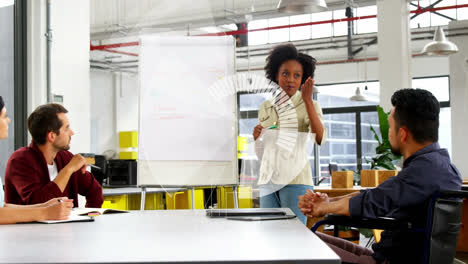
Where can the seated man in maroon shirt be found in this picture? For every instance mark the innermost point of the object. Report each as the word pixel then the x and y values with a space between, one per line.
pixel 46 169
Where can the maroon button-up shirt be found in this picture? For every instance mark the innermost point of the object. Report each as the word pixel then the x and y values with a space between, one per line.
pixel 27 180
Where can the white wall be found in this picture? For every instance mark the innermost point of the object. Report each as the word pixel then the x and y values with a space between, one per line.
pixel 103 118
pixel 127 101
pixel 459 100
pixel 70 66
pixel 114 108
pixel 36 49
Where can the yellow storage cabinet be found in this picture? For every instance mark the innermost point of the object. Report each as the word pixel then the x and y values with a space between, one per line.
pixel 183 200
pixel 226 198
pixel 154 201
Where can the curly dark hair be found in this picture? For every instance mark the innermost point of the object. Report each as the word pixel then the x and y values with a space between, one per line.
pixel 43 120
pixel 418 110
pixel 283 53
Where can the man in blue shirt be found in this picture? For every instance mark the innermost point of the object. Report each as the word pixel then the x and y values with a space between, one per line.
pixel 413 133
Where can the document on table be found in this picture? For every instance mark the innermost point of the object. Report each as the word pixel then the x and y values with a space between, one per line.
pixel 97 211
pixel 72 218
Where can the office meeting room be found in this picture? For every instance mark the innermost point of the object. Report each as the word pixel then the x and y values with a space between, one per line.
pixel 233 131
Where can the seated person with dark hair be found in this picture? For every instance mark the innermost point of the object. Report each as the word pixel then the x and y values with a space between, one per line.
pixel 413 133
pixel 46 169
pixel 54 209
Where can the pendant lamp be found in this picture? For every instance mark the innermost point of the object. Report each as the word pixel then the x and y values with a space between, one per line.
pixel 440 45
pixel 301 6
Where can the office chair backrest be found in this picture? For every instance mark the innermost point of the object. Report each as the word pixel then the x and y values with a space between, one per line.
pixel 332 167
pixel 446 222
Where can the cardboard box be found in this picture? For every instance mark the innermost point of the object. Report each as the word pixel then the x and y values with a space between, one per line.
pixel 369 178
pixel 385 174
pixel 372 178
pixel 342 179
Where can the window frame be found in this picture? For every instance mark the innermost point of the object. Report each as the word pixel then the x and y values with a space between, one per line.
pixel 20 73
pixel 357 110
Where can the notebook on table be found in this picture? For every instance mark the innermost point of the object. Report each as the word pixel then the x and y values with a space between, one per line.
pixel 96 211
pixel 83 215
pixel 71 218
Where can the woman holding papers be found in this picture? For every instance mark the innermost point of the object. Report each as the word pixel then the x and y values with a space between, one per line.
pixel 54 209
pixel 287 123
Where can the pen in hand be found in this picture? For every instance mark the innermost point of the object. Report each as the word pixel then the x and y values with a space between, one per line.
pixel 94 166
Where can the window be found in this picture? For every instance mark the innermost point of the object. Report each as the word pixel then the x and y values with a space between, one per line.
pixel 249 103
pixel 440 17
pixel 368 142
pixel 340 147
pixel 258 37
pixel 462 13
pixel 366 25
pixel 302 32
pixel 278 35
pixel 7 79
pixel 445 129
pixel 420 20
pixel 337 95
pixel 321 30
pixel 438 86
pixel 350 140
pixel 13 76
pixel 339 28
pixel 451 13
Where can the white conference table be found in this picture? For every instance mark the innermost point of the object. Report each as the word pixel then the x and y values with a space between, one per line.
pixel 163 236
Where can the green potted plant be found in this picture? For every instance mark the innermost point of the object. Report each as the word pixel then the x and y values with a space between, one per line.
pixel 384 158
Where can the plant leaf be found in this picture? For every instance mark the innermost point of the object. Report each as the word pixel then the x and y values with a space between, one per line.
pixel 366 232
pixel 376 136
pixel 383 122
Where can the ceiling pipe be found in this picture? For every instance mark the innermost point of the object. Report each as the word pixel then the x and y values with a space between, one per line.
pixel 310 48
pixel 120 52
pixel 246 31
pixel 335 62
pixel 306 47
pixel 112 46
pixel 113 62
pixel 318 63
pixel 417 11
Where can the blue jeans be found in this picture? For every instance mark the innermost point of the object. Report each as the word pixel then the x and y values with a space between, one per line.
pixel 276 196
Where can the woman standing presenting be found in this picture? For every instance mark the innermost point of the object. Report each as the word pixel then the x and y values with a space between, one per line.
pixel 292 71
pixel 54 209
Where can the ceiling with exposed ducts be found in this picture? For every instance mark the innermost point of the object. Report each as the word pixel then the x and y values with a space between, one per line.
pixel 116 25
pixel 114 18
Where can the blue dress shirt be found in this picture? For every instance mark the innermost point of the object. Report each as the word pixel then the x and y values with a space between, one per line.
pixel 405 197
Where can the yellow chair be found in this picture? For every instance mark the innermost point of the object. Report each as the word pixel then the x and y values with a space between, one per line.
pixel 183 200
pixel 226 198
pixel 377 234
